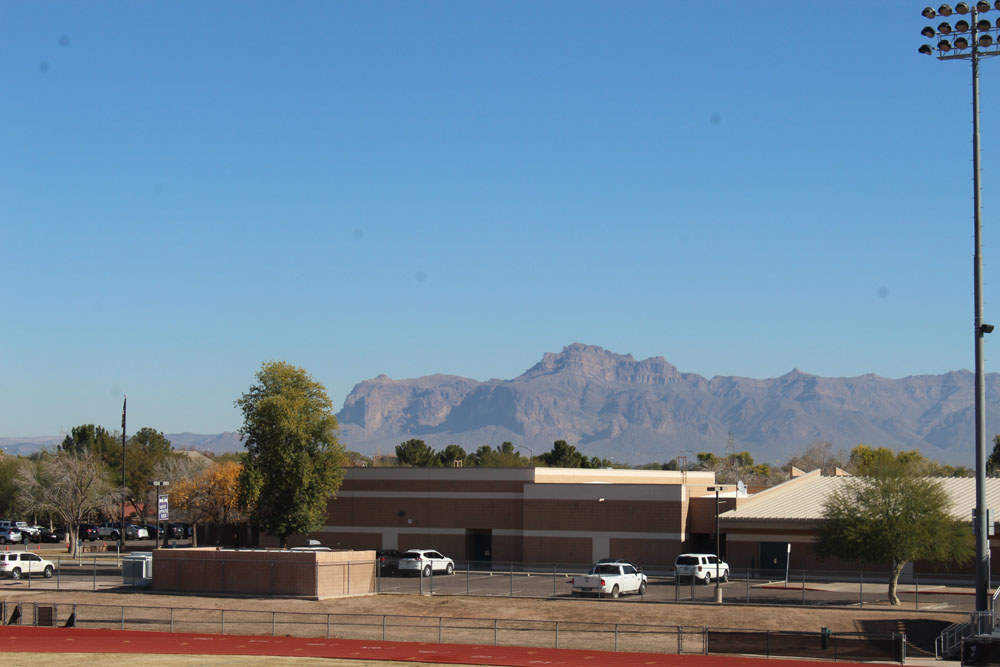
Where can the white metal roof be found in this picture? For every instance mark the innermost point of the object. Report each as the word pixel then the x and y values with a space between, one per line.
pixel 801 499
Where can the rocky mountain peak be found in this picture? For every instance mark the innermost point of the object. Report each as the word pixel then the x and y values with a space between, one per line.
pixel 592 361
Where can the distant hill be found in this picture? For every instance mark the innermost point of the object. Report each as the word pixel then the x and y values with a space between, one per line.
pixel 613 406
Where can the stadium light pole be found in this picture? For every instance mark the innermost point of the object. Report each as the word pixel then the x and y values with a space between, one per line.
pixel 972 39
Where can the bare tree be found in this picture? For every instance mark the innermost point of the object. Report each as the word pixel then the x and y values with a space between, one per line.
pixel 73 486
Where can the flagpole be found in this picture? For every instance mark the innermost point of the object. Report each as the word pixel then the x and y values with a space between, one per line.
pixel 121 536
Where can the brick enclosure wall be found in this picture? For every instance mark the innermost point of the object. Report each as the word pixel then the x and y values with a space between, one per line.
pixel 651 553
pixel 310 574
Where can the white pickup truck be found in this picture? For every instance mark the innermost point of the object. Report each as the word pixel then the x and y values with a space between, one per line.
pixel 611 579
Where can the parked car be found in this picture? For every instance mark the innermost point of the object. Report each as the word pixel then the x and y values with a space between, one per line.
pixel 176 531
pixel 109 530
pixel 55 535
pixel 703 567
pixel 15 565
pixel 151 530
pixel 424 562
pixel 9 534
pixel 135 532
pixel 388 561
pixel 611 579
pixel 88 532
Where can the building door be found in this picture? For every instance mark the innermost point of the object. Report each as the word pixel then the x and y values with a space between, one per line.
pixel 479 545
pixel 774 558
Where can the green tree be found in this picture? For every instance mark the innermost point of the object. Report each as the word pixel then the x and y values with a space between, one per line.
pixel 892 514
pixel 562 455
pixel 294 463
pixel 416 453
pixel 9 466
pixel 450 454
pixel 993 462
pixel 708 461
pixel 89 438
pixel 143 453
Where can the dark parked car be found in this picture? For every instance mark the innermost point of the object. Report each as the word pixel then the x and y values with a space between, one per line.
pixel 178 531
pixel 88 532
pixel 388 561
pixel 55 535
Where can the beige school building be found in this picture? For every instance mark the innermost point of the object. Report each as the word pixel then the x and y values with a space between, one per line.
pixel 571 516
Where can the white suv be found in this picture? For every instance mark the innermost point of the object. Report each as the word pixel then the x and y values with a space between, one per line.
pixel 16 564
pixel 703 567
pixel 424 562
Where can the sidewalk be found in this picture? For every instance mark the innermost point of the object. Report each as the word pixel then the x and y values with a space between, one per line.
pixel 19 639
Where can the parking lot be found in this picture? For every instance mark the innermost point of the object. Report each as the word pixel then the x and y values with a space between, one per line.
pixel 943 596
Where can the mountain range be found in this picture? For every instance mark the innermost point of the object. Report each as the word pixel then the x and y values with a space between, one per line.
pixel 613 406
pixel 616 407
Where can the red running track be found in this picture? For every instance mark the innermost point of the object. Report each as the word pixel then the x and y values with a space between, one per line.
pixel 22 639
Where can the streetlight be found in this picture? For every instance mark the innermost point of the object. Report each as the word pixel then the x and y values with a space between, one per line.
pixel 530 452
pixel 161 514
pixel 954 44
pixel 718 558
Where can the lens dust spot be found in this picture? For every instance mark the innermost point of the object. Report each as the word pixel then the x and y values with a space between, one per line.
pixel 359 234
pixel 43 67
pixel 64 40
pixel 883 292
pixel 716 118
pixel 420 276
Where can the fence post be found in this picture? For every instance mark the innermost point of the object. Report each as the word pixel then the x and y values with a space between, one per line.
pixel 494 632
pixel 694 580
pixel 328 626
pixel 123 617
pixel 468 566
pixel 512 579
pixel 95 573
pixel 557 635
pixel 677 587
pixel 222 623
pixel 34 614
pixel 680 640
pixel 704 634
pixel 383 627
pixel 748 586
pixel 554 594
pixel 348 578
pixel 171 619
pixel 767 643
pixel 440 628
pixel 861 589
pixel 58 570
pixel 616 638
pixel 272 623
pixel 916 591
pixel 803 588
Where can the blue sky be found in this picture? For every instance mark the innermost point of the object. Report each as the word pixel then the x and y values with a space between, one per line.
pixel 190 189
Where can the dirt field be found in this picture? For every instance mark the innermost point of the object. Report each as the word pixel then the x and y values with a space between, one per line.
pixel 885 619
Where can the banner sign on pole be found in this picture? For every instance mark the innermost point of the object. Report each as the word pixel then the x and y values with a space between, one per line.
pixel 164 508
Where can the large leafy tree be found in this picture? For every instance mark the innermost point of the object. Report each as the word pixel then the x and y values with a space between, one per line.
pixel 96 439
pixel 892 514
pixel 143 453
pixel 294 463
pixel 211 496
pixel 416 453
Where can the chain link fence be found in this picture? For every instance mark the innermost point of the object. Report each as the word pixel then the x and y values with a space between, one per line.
pixel 618 637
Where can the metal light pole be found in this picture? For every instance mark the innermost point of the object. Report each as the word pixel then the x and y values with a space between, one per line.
pixel 121 535
pixel 718 557
pixel 953 44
